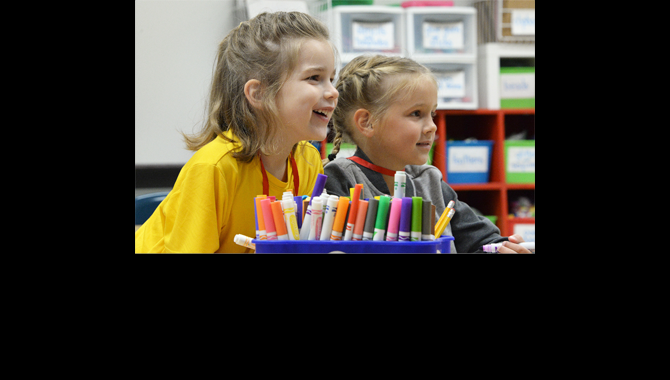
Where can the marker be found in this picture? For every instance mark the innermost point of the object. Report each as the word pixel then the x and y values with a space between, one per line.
pixel 307 221
pixel 318 186
pixel 290 220
pixel 269 221
pixel 338 225
pixel 440 229
pixel 369 227
pixel 317 218
pixel 382 214
pixel 298 209
pixel 432 222
pixel 355 199
pixel 329 217
pixel 417 203
pixel 405 219
pixel 262 235
pixel 425 220
pixel 360 220
pixel 493 248
pixel 244 241
pixel 256 220
pixel 399 184
pixel 394 220
pixel 278 217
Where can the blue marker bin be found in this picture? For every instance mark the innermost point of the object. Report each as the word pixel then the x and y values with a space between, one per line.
pixel 441 245
pixel 469 161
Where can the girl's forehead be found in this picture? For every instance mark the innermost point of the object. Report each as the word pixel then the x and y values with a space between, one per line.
pixel 409 87
pixel 316 53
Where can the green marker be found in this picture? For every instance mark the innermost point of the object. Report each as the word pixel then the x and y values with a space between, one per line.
pixel 417 203
pixel 382 213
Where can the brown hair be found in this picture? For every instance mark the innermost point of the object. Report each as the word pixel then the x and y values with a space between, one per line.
pixel 265 48
pixel 363 83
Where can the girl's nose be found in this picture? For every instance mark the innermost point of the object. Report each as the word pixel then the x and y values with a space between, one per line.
pixel 331 92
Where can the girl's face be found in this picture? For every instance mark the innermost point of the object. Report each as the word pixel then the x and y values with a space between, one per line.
pixel 407 130
pixel 307 100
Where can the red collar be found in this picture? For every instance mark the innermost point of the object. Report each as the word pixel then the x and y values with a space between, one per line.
pixel 296 178
pixel 372 166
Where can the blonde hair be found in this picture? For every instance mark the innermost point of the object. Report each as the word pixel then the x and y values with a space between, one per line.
pixel 265 48
pixel 363 83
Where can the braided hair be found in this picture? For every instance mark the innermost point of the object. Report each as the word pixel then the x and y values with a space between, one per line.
pixel 362 84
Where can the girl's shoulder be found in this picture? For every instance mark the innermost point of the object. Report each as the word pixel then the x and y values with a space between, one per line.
pixel 428 172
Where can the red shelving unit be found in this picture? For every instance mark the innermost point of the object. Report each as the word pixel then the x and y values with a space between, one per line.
pixel 492 198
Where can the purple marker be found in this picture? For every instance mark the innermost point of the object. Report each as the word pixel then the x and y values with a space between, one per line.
pixel 318 189
pixel 318 186
pixel 405 219
pixel 298 205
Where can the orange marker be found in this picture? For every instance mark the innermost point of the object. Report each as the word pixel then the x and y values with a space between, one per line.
pixel 338 225
pixel 262 235
pixel 360 220
pixel 355 199
pixel 278 216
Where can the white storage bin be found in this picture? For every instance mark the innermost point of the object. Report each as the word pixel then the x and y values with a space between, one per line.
pixel 437 34
pixel 457 85
pixel 361 29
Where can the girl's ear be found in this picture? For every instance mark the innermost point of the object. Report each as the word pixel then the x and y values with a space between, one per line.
pixel 362 122
pixel 252 90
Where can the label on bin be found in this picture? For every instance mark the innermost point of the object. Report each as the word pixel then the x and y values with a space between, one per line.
pixel 450 84
pixel 468 159
pixel 373 35
pixel 517 86
pixel 521 159
pixel 443 35
pixel 523 22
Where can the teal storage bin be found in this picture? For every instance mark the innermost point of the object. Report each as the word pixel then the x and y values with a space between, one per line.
pixel 443 244
pixel 469 161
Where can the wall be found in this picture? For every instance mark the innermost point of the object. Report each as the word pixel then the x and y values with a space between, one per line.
pixel 175 48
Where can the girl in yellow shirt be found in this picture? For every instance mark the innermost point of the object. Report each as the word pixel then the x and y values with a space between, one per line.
pixel 271 91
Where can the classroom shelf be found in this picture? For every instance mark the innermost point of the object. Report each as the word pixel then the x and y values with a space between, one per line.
pixel 492 198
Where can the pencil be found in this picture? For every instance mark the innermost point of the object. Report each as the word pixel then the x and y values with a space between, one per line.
pixel 440 229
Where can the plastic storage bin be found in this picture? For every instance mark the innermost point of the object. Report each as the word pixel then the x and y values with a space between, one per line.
pixel 436 33
pixel 360 29
pixel 441 245
pixel 456 85
pixel 469 161
pixel 520 161
pixel 517 87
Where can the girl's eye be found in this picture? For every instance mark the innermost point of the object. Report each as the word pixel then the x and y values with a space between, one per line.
pixel 416 113
pixel 314 77
pixel 433 115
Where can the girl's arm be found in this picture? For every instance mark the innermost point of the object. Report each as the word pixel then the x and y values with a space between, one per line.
pixel 470 231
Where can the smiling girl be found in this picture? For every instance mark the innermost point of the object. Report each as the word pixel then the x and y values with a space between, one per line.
pixel 271 91
pixel 386 108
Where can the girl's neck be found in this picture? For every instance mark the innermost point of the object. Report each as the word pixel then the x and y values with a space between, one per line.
pixel 378 160
pixel 276 164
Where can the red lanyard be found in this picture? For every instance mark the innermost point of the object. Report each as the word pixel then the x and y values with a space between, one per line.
pixel 296 178
pixel 372 166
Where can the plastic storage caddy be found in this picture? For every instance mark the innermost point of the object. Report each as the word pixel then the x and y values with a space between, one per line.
pixel 441 245
pixel 469 161
pixel 520 161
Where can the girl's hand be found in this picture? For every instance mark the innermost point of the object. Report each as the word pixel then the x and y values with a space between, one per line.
pixel 512 245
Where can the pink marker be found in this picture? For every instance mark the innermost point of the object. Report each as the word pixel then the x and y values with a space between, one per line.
pixel 394 220
pixel 269 219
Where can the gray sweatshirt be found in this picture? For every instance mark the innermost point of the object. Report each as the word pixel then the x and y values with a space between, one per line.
pixel 470 231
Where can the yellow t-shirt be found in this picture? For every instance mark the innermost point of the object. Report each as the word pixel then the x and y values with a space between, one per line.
pixel 213 200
